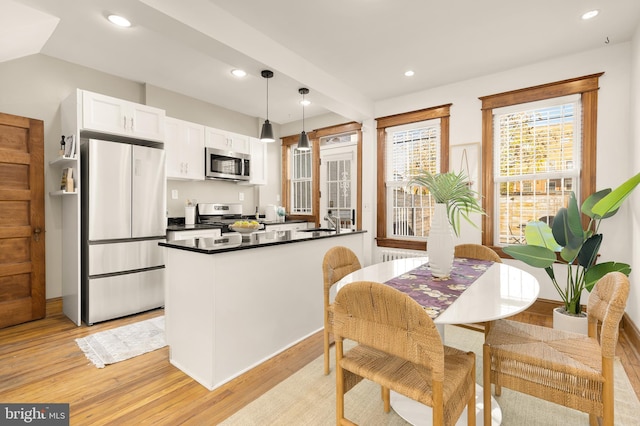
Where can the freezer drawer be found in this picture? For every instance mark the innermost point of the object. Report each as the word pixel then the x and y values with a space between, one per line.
pixel 125 256
pixel 120 295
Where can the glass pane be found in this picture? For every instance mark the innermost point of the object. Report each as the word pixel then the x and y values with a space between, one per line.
pixel 520 202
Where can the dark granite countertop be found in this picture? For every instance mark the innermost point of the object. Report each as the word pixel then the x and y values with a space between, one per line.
pixel 262 239
pixel 175 224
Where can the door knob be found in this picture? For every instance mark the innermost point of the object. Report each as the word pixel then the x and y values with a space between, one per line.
pixel 36 234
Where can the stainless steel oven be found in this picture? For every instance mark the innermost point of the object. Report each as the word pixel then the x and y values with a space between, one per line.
pixel 229 165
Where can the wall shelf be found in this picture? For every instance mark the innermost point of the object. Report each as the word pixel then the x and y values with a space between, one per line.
pixel 61 161
pixel 61 192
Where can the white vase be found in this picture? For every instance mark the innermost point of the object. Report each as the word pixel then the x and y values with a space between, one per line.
pixel 440 243
pixel 573 323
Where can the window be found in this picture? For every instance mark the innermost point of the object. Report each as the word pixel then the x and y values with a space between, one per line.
pixel 535 147
pixel 538 146
pixel 301 182
pixel 301 172
pixel 407 144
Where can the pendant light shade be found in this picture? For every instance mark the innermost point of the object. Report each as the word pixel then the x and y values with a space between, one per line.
pixel 303 142
pixel 266 135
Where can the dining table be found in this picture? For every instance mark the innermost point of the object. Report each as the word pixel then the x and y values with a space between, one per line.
pixel 477 291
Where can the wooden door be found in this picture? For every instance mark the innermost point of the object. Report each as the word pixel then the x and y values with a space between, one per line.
pixel 22 248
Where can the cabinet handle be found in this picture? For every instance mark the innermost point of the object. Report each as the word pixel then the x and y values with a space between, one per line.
pixel 131 123
pixel 124 122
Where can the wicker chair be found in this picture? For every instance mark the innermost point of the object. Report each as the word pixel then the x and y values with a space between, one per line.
pixel 399 348
pixel 570 369
pixel 480 252
pixel 338 262
pixel 476 251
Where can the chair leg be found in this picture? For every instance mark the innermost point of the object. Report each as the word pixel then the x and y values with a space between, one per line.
pixel 386 397
pixel 486 383
pixel 471 405
pixel 607 392
pixel 339 384
pixel 326 351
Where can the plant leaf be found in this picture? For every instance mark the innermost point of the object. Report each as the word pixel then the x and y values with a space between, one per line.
pixel 589 251
pixel 538 233
pixel 592 200
pixel 614 199
pixel 593 275
pixel 536 256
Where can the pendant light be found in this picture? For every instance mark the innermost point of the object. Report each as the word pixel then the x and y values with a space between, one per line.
pixel 267 130
pixel 303 143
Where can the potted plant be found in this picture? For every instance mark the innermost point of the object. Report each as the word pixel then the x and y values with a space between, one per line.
pixel 578 247
pixel 454 200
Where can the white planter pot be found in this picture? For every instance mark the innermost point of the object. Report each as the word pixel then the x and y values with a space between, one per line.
pixel 573 323
pixel 440 243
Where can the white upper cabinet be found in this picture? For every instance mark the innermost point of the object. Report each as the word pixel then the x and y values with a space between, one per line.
pixel 105 114
pixel 184 146
pixel 258 152
pixel 227 141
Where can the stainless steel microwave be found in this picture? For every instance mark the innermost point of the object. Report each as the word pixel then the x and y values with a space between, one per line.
pixel 229 165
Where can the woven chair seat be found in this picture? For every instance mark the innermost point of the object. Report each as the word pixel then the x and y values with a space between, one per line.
pixel 562 367
pixel 411 380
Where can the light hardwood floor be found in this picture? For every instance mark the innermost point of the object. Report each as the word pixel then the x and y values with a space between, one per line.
pixel 40 362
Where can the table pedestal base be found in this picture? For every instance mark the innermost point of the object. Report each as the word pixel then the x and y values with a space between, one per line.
pixel 420 415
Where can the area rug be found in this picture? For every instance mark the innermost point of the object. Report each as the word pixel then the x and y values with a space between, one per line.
pixel 118 344
pixel 308 398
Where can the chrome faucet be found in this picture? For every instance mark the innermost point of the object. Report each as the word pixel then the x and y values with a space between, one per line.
pixel 334 222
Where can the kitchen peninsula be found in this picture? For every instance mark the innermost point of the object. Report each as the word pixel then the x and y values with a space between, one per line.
pixel 229 309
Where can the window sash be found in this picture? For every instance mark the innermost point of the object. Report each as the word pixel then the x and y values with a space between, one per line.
pixel 410 149
pixel 301 182
pixel 537 158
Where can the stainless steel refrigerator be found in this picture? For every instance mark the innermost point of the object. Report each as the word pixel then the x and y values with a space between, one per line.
pixel 123 220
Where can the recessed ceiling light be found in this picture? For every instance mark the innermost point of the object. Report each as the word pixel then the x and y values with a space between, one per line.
pixel 119 21
pixel 239 73
pixel 590 14
pixel 409 73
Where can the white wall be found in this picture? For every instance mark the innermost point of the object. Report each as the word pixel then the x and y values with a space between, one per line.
pixel 614 165
pixel 633 304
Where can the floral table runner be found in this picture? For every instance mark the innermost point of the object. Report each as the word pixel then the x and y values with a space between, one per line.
pixel 436 294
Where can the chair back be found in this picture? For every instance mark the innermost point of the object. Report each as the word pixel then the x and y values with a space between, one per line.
pixel 338 261
pixel 381 317
pixel 476 251
pixel 606 305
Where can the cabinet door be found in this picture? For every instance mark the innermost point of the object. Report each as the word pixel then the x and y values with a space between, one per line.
pixel 193 150
pixel 103 113
pixel 184 147
pixel 119 117
pixel 145 122
pixel 258 153
pixel 175 163
pixel 216 138
pixel 238 143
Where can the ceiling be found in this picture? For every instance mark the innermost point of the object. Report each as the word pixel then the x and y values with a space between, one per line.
pixel 349 53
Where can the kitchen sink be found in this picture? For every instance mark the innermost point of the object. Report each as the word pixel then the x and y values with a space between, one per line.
pixel 318 232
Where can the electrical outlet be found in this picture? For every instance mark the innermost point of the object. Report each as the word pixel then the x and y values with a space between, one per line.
pixel 278 197
pixel 241 196
pixel 174 194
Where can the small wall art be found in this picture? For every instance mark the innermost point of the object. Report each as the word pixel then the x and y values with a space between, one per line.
pixel 466 157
